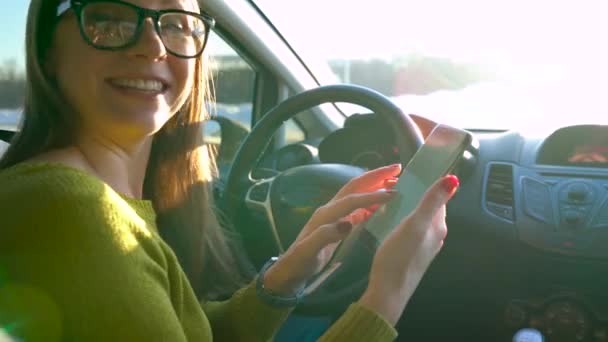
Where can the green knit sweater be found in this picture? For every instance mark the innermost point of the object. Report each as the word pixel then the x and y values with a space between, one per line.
pixel 80 262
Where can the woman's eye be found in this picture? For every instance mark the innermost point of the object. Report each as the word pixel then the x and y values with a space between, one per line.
pixel 176 27
pixel 106 23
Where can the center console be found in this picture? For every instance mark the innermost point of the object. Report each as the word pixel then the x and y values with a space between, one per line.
pixel 556 199
pixel 560 202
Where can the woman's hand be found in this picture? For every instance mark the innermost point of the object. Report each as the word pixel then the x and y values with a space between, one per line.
pixel 330 223
pixel 404 256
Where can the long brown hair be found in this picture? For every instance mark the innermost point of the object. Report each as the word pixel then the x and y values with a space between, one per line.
pixel 179 173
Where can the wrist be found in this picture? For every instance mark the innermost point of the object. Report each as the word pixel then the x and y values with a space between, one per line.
pixel 278 280
pixel 387 303
pixel 276 295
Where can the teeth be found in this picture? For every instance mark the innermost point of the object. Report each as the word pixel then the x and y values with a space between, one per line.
pixel 138 84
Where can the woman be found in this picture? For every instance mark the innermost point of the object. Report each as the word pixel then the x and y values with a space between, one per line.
pixel 108 180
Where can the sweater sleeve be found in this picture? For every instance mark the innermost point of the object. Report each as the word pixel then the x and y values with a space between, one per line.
pixel 244 317
pixel 71 270
pixel 359 323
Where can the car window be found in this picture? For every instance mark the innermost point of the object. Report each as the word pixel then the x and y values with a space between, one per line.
pixel 234 82
pixel 293 132
pixel 12 58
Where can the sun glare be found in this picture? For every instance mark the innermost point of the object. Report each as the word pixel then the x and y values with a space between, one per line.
pixel 548 55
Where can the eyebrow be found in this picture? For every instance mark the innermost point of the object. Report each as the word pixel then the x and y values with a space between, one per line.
pixel 172 2
pixel 191 5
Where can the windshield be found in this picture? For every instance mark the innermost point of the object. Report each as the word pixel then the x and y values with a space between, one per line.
pixel 470 63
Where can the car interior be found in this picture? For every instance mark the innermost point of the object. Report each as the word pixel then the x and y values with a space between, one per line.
pixel 525 250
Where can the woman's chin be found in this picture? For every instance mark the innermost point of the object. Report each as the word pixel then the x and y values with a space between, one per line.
pixel 140 126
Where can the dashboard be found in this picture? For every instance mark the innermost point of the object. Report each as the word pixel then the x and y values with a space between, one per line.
pixel 584 146
pixel 551 192
pixel 559 188
pixel 549 197
pixel 364 141
pixel 530 222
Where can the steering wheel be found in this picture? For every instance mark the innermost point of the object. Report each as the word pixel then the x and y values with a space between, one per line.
pixel 287 199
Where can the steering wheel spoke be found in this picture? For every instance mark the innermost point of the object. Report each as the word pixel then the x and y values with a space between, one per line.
pixel 258 201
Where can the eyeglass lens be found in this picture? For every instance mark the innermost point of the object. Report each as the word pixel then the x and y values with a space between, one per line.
pixel 115 25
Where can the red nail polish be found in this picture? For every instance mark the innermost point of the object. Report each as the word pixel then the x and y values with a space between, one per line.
pixel 344 227
pixel 450 184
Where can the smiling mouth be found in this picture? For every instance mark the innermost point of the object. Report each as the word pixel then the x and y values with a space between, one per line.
pixel 143 85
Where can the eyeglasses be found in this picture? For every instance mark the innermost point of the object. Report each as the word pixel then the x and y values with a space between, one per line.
pixel 117 25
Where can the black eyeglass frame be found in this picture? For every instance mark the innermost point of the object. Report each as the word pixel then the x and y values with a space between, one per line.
pixel 78 7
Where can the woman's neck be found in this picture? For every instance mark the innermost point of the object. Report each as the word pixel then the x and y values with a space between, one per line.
pixel 123 169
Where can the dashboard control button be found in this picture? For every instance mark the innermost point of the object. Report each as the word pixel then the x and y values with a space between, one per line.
pixel 577 196
pixel 259 192
pixel 573 218
pixel 577 193
pixel 537 200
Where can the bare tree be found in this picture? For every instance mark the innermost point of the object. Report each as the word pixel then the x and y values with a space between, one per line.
pixel 12 85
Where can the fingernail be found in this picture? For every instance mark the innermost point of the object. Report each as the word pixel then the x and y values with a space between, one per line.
pixel 394 166
pixel 391 179
pixel 450 184
pixel 387 191
pixel 344 227
pixel 389 183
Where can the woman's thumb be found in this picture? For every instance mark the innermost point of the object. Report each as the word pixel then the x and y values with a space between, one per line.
pixel 436 197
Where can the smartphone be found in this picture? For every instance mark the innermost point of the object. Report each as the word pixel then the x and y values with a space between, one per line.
pixel 435 159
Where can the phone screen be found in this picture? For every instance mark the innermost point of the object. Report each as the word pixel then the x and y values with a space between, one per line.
pixel 435 159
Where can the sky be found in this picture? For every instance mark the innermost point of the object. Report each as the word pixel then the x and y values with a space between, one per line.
pixel 12 34
pixel 513 34
pixel 549 55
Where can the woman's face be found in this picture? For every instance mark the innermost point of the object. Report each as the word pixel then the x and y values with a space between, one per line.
pixel 123 95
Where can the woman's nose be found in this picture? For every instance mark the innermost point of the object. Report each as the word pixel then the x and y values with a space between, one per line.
pixel 149 44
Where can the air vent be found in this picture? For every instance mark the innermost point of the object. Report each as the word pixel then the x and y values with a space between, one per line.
pixel 499 190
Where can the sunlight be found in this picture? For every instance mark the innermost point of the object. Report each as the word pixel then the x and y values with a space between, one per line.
pixel 472 30
pixel 547 57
